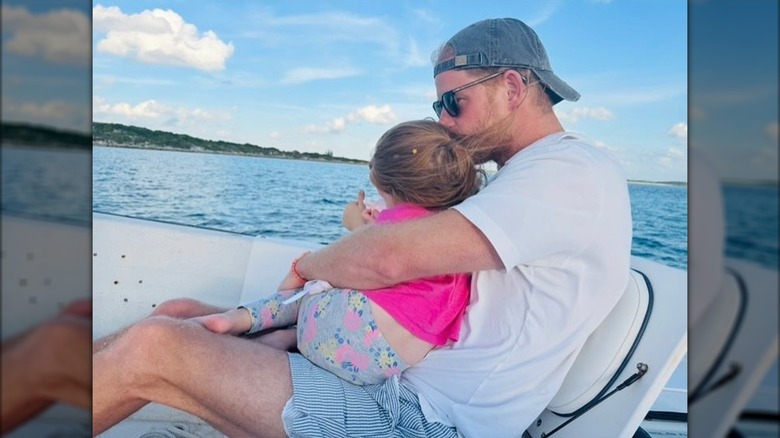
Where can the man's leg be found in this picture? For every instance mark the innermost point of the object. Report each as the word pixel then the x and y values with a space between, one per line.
pixel 175 308
pixel 238 386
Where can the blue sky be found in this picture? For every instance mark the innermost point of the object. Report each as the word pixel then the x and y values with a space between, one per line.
pixel 334 75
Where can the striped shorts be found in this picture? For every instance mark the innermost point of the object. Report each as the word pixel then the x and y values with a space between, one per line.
pixel 324 405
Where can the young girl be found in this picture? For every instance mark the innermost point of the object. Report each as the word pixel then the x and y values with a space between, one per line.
pixel 367 336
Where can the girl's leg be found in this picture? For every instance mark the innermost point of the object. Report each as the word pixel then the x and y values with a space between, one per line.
pixel 271 312
pixel 337 332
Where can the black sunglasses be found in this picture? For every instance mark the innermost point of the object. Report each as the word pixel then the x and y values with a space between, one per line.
pixel 450 103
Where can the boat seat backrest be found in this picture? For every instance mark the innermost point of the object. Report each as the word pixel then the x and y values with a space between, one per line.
pixel 607 350
pixel 711 333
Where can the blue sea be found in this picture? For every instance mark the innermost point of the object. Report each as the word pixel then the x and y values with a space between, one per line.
pixel 303 200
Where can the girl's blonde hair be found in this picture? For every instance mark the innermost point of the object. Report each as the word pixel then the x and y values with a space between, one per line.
pixel 423 163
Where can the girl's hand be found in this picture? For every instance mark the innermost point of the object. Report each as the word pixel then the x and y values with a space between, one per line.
pixel 353 212
pixel 291 281
pixel 369 215
pixel 356 214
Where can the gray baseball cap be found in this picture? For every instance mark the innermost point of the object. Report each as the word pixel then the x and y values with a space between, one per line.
pixel 505 42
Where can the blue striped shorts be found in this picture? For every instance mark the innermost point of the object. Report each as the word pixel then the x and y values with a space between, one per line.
pixel 324 405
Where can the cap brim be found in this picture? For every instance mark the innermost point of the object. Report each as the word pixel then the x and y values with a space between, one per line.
pixel 559 89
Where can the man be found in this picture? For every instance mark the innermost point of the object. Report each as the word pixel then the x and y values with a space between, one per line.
pixel 549 239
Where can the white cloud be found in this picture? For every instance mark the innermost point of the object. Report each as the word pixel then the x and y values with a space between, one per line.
pixel 323 28
pixel 99 81
pixel 55 113
pixel 159 37
pixel 675 152
pixel 377 115
pixel 343 30
pixel 680 131
pixel 673 158
pixel 414 57
pixel 59 36
pixel 603 145
pixel 550 8
pixel 275 135
pixel 771 130
pixel 580 113
pixel 334 126
pixel 154 110
pixel 306 74
pixel 426 16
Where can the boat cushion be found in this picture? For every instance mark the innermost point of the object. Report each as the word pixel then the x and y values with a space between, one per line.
pixel 709 337
pixel 605 352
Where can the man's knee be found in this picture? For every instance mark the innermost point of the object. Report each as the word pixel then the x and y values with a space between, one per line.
pixel 177 307
pixel 148 353
pixel 151 340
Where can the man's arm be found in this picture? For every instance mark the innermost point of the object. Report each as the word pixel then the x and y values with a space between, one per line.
pixel 374 257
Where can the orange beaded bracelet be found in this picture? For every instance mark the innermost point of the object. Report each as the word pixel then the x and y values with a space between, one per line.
pixel 294 267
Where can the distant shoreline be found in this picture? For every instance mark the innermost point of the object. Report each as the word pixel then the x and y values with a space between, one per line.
pixel 238 154
pixel 20 134
pixel 658 183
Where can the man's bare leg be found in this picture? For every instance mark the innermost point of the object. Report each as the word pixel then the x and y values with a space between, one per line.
pixel 175 308
pixel 238 386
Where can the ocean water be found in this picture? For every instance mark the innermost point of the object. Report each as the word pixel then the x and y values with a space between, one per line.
pixel 47 183
pixel 303 200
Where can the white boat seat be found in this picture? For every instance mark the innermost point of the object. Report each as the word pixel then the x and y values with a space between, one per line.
pixel 607 351
pixel 646 330
pixel 714 334
pixel 735 351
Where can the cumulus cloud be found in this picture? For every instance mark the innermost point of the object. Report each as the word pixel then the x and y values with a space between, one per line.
pixel 377 115
pixel 336 125
pixel 679 130
pixel 581 113
pixel 159 37
pixel 307 74
pixel 54 113
pixel 154 110
pixel 58 36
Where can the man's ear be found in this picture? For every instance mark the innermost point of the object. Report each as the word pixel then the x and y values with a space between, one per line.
pixel 515 88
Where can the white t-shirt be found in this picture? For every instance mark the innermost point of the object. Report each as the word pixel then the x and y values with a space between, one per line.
pixel 559 216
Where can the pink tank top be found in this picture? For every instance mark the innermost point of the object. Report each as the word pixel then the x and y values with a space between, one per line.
pixel 430 308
